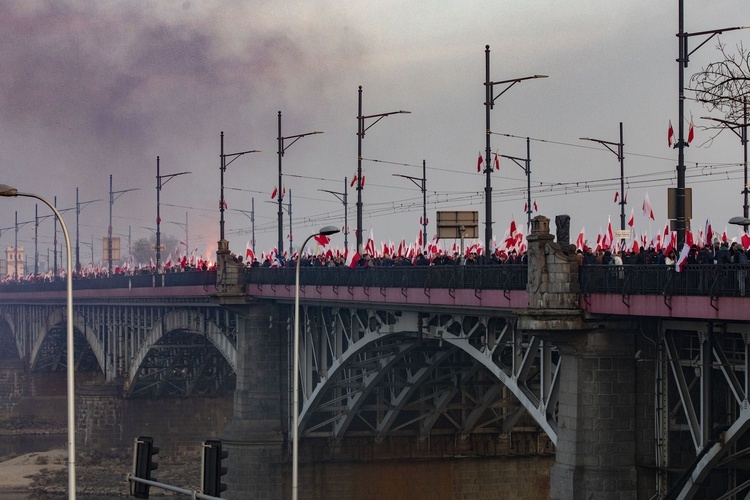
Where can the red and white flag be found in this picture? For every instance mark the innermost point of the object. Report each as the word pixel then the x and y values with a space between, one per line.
pixel 322 239
pixel 480 160
pixel 682 260
pixel 535 207
pixel 352 259
pixel 274 193
pixel 647 210
pixel 221 205
pixel 670 135
pixel 617 196
pixel 709 231
pixel 580 242
pixel 691 131
pixel 497 161
pixel 354 181
pixel 249 254
pixel 631 221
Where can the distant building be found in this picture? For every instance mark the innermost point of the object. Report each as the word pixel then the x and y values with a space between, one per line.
pixel 13 255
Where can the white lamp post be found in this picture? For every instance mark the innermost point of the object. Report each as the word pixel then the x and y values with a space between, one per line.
pixel 10 191
pixel 325 231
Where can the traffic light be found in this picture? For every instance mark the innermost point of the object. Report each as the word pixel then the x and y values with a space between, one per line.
pixel 143 463
pixel 212 470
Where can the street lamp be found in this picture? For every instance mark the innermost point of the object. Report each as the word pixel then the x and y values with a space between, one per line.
pixel 343 198
pixel 112 199
pixel 682 63
pixel 361 129
pixel 620 153
pixel 282 149
pixel 421 183
pixel 325 231
pixel 489 103
pixel 223 244
pixel 743 140
pixel 10 191
pixel 526 167
pixel 159 185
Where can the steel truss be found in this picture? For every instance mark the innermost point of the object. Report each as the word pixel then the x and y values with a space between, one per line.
pixel 702 386
pixel 153 349
pixel 379 373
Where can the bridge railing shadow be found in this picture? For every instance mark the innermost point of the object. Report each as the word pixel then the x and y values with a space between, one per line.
pixel 695 279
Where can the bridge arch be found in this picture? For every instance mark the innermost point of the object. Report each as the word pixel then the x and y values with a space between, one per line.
pixel 389 364
pixel 173 322
pixel 9 342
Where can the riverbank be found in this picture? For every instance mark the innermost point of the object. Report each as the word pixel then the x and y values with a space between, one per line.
pixel 47 472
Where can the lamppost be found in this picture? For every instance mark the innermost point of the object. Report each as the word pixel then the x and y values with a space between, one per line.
pixel 343 198
pixel 489 103
pixel 682 63
pixel 223 244
pixel 526 167
pixel 282 149
pixel 10 191
pixel 325 231
pixel 743 140
pixel 620 153
pixel 421 183
pixel 79 206
pixel 159 185
pixel 112 199
pixel 361 129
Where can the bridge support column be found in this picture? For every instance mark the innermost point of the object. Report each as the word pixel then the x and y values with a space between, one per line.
pixel 596 443
pixel 254 436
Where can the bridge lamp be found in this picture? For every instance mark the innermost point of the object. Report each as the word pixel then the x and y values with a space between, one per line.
pixel 325 231
pixel 13 192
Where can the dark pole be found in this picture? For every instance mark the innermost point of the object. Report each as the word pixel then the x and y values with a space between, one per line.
pixel 621 157
pixel 252 221
pixel 291 237
pixel 528 185
pixel 487 171
pixel 744 143
pixel 345 201
pixel 158 215
pixel 54 239
pixel 424 204
pixel 109 230
pixel 682 63
pixel 360 135
pixel 222 168
pixel 78 227
pixel 280 213
pixel 36 239
pixel 15 248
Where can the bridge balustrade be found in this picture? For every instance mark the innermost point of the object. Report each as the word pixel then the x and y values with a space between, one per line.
pixel 509 277
pixel 149 280
pixel 695 279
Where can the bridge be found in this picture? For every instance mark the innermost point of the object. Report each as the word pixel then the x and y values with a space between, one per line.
pixel 633 378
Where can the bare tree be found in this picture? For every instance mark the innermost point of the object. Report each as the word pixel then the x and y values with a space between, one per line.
pixel 724 86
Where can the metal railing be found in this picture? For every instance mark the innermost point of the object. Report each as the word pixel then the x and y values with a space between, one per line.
pixel 498 277
pixel 729 280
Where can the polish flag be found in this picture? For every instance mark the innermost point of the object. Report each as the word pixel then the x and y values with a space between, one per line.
pixel 354 181
pixel 480 160
pixel 682 259
pixel 535 207
pixel 275 192
pixel 647 210
pixel 709 231
pixel 691 131
pixel 670 135
pixel 362 183
pixel 370 245
pixel 322 239
pixel 580 239
pixel 631 221
pixel 617 196
pixel 249 254
pixel 497 161
pixel 352 259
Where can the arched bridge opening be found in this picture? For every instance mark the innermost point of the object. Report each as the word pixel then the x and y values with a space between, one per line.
pixel 365 372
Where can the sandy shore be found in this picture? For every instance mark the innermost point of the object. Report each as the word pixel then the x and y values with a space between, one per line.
pixel 46 472
pixel 16 474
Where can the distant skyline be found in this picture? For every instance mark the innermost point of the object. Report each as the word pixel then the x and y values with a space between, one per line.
pixel 90 90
